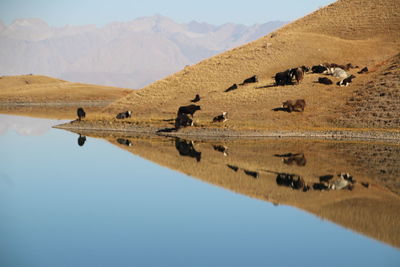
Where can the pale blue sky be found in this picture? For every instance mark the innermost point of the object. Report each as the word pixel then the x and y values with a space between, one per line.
pixel 101 12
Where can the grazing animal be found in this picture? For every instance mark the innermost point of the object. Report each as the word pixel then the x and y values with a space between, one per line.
pixel 183 120
pixel 363 70
pixel 298 74
pixel 233 167
pixel 81 140
pixel 298 105
pixel 318 69
pixel 233 87
pixel 222 149
pixel 283 78
pixel 325 80
pixel 124 142
pixel 190 109
pixel 186 148
pixel 220 118
pixel 251 173
pixel 252 79
pixel 81 113
pixel 124 115
pixel 346 81
pixel 196 99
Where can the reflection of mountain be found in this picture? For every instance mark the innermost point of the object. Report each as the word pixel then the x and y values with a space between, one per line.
pixel 372 207
pixel 124 54
pixel 25 125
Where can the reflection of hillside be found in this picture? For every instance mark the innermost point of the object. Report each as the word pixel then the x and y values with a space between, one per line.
pixel 251 168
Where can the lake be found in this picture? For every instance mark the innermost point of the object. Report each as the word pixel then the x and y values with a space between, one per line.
pixel 145 201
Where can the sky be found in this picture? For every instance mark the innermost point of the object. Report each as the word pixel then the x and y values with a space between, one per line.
pixel 102 12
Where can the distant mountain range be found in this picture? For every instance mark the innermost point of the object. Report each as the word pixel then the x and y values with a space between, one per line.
pixel 124 54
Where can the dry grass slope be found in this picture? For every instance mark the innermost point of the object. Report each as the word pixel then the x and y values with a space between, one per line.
pixel 363 32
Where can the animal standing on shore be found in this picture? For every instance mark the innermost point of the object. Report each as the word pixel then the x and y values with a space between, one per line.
pixel 124 115
pixel 190 109
pixel 81 113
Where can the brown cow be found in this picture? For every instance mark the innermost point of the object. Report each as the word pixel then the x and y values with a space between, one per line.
pixel 298 105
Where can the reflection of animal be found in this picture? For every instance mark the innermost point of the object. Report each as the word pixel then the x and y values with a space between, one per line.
pixel 363 70
pixel 81 113
pixel 346 81
pixel 220 118
pixel 251 173
pixel 81 140
pixel 299 159
pixel 324 80
pixel 283 78
pixel 183 120
pixel 252 79
pixel 293 181
pixel 233 167
pixel 196 99
pixel 186 148
pixel 222 149
pixel 124 142
pixel 190 109
pixel 298 105
pixel 318 69
pixel 124 115
pixel 233 87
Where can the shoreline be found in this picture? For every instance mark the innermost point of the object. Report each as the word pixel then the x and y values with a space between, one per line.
pixel 392 137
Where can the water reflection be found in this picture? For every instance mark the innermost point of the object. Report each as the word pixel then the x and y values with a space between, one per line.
pixel 81 140
pixel 332 182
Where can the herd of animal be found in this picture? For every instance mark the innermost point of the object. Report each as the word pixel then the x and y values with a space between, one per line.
pixel 185 114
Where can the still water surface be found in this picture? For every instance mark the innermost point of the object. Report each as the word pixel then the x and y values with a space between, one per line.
pixel 97 205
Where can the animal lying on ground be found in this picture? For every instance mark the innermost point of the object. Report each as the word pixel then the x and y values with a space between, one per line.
pixel 345 67
pixel 252 79
pixel 318 69
pixel 346 81
pixel 196 99
pixel 297 105
pixel 251 173
pixel 233 167
pixel 222 149
pixel 190 109
pixel 233 87
pixel 124 115
pixel 324 80
pixel 363 70
pixel 337 72
pixel 293 181
pixel 81 113
pixel 220 118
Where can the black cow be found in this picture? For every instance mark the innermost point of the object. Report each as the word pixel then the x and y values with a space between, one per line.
pixel 233 87
pixel 124 142
pixel 183 120
pixel 233 167
pixel 251 173
pixel 325 80
pixel 220 118
pixel 222 149
pixel 252 79
pixel 190 109
pixel 318 69
pixel 363 70
pixel 81 140
pixel 124 115
pixel 297 73
pixel 185 148
pixel 284 77
pixel 196 99
pixel 81 113
pixel 346 81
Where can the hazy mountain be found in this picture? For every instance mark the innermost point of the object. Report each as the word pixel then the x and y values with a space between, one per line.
pixel 126 54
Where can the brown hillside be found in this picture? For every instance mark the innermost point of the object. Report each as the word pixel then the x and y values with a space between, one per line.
pixel 52 98
pixel 363 32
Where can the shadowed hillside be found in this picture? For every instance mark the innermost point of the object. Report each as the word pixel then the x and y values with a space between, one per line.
pixel 363 32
